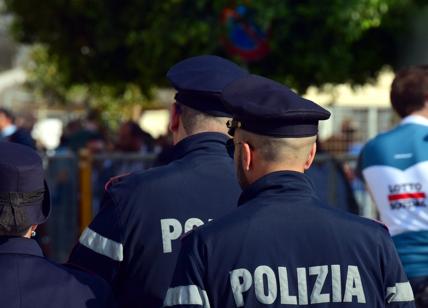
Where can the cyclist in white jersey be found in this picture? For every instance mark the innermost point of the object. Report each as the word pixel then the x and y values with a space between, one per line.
pixel 395 167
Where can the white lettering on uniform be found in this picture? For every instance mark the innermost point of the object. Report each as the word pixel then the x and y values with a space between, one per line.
pixel 336 283
pixel 240 281
pixel 266 285
pixel 316 296
pixel 284 290
pixel 172 229
pixel 302 286
pixel 354 286
pixel 192 223
pixel 272 291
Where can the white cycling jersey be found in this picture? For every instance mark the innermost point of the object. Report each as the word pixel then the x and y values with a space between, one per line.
pixel 395 168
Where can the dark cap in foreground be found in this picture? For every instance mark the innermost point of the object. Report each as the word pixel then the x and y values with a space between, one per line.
pixel 266 107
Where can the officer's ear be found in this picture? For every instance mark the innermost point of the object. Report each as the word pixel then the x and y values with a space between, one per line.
pixel 311 156
pixel 174 121
pixel 247 156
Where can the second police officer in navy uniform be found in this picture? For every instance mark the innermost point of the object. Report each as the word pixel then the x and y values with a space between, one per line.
pixel 282 247
pixel 134 241
pixel 27 278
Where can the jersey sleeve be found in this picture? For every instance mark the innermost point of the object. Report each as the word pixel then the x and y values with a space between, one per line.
pixel 398 291
pixel 100 247
pixel 188 287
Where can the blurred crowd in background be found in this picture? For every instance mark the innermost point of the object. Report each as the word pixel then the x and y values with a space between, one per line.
pixel 130 148
pixel 91 134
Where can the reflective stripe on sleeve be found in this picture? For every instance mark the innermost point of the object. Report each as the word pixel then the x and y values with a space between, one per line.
pixel 401 292
pixel 102 245
pixel 186 295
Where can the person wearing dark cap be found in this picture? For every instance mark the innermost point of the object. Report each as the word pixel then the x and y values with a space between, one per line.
pixel 134 241
pixel 27 278
pixel 282 247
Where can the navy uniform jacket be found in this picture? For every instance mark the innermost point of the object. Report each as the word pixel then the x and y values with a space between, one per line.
pixel 29 280
pixel 134 241
pixel 282 248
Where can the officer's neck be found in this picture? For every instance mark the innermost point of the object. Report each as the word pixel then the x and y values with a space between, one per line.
pixel 264 168
pixel 181 133
pixel 258 167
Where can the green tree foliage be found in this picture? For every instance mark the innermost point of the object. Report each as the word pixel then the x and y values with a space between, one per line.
pixel 116 43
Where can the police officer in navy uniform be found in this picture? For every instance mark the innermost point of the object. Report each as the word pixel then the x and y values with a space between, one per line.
pixel 27 278
pixel 134 241
pixel 282 247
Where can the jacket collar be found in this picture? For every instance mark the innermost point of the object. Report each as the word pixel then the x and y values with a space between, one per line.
pixel 415 119
pixel 277 183
pixel 20 245
pixel 202 143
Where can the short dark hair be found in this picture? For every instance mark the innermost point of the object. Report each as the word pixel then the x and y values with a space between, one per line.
pixel 409 90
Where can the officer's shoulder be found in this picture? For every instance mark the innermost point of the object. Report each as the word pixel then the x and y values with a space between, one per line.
pixel 115 180
pixel 356 222
pixel 141 180
pixel 71 276
pixel 369 223
pixel 84 277
pixel 224 225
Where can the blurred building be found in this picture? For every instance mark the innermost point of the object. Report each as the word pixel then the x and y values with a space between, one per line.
pixel 367 106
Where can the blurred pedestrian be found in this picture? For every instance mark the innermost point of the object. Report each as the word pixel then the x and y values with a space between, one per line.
pixel 345 142
pixel 165 149
pixel 10 132
pixel 331 182
pixel 395 167
pixel 134 240
pixel 132 138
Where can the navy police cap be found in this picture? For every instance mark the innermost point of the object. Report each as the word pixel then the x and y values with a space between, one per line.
pixel 200 80
pixel 266 107
pixel 24 195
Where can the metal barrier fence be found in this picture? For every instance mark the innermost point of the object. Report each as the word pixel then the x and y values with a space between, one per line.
pixel 77 185
pixel 62 228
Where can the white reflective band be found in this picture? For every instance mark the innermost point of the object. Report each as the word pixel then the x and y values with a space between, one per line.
pixel 401 292
pixel 102 245
pixel 186 295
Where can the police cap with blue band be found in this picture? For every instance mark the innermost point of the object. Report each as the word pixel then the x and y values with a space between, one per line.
pixel 200 80
pixel 266 107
